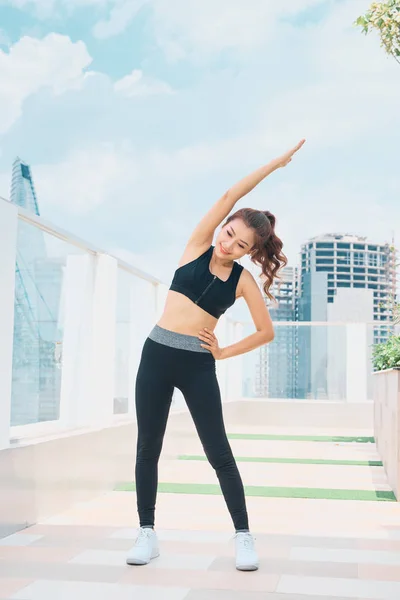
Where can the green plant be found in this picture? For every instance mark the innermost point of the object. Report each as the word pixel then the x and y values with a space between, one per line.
pixel 387 355
pixel 385 18
pixel 394 308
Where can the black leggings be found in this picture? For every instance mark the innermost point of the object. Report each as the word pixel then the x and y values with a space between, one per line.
pixel 161 369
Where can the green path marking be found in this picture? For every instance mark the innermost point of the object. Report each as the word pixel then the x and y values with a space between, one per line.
pixel 270 492
pixel 301 438
pixel 295 461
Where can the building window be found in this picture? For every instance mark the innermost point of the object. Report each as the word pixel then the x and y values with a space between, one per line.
pixel 358 258
pixel 343 284
pixel 343 257
pixel 343 276
pixel 359 246
pixel 359 277
pixel 359 270
pixel 359 285
pixel 324 245
pixel 324 261
pixel 343 245
pixel 343 269
pixel 372 286
pixel 372 260
pixel 325 269
pixel 375 248
pixel 330 299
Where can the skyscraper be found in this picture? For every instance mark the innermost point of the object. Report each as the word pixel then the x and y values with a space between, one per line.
pixel 344 278
pixel 276 368
pixel 22 187
pixel 36 378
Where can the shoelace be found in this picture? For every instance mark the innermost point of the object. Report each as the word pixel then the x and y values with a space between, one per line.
pixel 246 541
pixel 143 536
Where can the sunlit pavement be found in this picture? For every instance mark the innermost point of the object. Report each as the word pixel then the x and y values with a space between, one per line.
pixel 339 539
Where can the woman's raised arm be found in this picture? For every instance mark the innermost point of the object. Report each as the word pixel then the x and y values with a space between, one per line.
pixel 204 231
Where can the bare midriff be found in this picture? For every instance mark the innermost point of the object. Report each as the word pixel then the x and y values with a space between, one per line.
pixel 184 316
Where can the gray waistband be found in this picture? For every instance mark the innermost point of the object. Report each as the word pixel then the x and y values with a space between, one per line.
pixel 176 340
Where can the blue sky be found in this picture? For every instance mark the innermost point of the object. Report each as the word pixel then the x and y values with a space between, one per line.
pixel 136 115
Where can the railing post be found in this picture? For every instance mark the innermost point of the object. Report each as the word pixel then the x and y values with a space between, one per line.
pixel 101 400
pixel 238 365
pixel 8 249
pixel 88 358
pixel 77 336
pixel 356 362
pixel 234 375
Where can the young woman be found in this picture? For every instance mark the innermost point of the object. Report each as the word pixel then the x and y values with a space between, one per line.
pixel 180 352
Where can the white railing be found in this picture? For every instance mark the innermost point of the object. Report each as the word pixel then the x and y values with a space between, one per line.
pixel 73 320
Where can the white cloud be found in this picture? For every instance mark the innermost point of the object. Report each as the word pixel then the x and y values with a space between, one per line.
pixel 121 14
pixel 136 84
pixel 206 27
pixel 31 64
pixel 84 180
pixel 109 173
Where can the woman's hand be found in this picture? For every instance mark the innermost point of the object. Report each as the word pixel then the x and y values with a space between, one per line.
pixel 285 159
pixel 211 343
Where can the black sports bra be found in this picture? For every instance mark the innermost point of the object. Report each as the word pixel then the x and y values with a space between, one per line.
pixel 196 281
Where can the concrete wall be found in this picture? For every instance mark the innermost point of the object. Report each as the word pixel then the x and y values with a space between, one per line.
pixel 43 478
pixel 387 424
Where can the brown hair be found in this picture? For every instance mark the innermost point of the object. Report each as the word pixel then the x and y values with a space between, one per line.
pixel 267 250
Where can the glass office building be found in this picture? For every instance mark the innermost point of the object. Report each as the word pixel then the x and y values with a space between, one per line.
pixel 277 365
pixel 343 279
pixel 36 376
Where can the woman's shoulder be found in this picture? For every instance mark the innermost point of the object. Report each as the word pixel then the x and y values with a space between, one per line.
pixel 246 275
pixel 245 280
pixel 193 252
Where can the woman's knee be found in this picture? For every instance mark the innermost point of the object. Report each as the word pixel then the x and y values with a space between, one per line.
pixel 221 458
pixel 148 448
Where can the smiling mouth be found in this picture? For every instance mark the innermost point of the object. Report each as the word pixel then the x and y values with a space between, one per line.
pixel 222 250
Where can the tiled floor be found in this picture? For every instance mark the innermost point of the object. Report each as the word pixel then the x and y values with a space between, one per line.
pixel 309 549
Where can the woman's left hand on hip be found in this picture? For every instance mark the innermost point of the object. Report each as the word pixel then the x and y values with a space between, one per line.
pixel 211 343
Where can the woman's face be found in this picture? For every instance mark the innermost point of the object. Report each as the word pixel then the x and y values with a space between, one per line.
pixel 234 240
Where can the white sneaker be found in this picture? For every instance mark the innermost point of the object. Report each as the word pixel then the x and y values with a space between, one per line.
pixel 145 548
pixel 246 555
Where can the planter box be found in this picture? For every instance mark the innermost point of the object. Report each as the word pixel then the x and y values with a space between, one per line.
pixel 387 424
